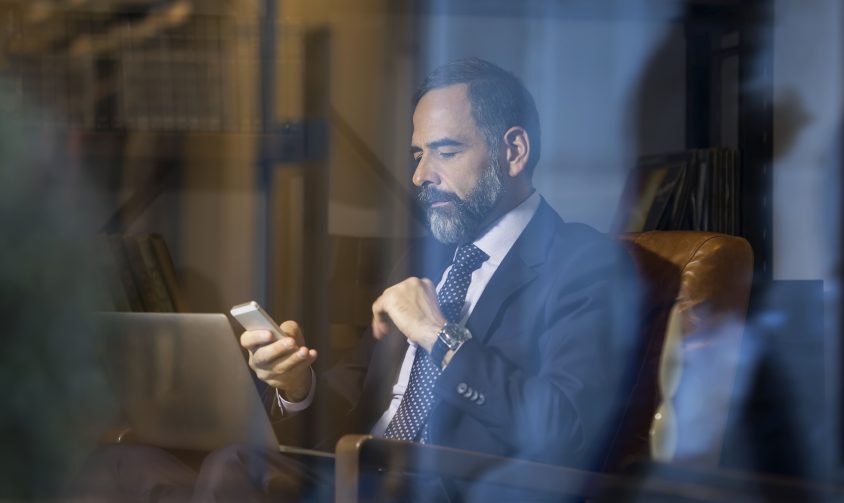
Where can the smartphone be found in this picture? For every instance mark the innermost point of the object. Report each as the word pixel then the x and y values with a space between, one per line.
pixel 253 317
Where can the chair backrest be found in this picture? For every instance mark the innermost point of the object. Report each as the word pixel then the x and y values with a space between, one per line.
pixel 697 286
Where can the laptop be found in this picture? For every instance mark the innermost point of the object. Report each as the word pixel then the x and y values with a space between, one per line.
pixel 183 381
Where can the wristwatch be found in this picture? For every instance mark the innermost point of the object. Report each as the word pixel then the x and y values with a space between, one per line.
pixel 450 338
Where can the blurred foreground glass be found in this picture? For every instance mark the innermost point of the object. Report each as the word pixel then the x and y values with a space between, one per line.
pixel 56 399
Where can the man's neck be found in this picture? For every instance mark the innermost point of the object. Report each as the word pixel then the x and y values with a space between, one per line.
pixel 508 202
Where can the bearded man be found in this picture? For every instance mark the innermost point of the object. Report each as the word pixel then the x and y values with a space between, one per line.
pixel 510 335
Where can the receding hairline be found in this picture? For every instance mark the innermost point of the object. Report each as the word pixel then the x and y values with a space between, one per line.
pixel 466 96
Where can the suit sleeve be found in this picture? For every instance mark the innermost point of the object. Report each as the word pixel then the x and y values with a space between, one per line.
pixel 557 403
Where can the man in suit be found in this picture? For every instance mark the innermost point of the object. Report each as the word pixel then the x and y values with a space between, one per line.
pixel 511 336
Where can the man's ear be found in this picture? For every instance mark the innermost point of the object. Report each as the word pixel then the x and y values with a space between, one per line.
pixel 516 150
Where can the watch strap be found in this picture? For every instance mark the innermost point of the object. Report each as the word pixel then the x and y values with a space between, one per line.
pixel 438 352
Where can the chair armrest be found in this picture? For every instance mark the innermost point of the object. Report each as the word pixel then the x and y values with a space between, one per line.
pixel 347 467
pixel 360 454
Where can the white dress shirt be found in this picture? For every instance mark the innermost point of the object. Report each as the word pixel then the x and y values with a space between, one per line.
pixel 496 242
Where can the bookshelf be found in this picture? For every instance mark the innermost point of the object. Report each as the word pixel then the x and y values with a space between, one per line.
pixel 716 32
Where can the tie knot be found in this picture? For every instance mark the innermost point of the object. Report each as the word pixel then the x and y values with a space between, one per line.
pixel 469 257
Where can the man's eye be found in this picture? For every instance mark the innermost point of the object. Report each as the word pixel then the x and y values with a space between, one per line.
pixel 447 155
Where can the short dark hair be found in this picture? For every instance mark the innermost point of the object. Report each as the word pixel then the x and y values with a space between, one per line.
pixel 498 100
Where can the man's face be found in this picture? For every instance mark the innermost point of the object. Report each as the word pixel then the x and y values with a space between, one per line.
pixel 458 181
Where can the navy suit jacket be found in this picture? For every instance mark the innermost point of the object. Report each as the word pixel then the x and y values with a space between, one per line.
pixel 546 369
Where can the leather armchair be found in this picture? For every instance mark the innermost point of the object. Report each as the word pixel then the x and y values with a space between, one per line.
pixel 697 289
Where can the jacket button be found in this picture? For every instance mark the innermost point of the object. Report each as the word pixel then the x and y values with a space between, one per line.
pixel 481 399
pixel 474 396
pixel 468 392
pixel 461 388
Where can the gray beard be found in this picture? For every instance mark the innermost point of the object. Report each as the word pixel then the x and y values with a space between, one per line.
pixel 459 222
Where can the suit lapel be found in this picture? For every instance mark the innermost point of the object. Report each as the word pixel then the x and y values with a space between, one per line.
pixel 516 270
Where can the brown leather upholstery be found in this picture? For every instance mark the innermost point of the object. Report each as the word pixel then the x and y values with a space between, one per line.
pixel 697 286
pixel 709 274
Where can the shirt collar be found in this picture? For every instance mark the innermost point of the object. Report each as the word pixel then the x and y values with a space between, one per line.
pixel 503 233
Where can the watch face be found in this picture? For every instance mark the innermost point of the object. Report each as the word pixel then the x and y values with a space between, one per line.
pixel 453 334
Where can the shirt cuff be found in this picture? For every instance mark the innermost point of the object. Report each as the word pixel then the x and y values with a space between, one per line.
pixel 292 407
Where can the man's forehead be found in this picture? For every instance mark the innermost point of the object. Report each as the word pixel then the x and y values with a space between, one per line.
pixel 448 96
pixel 444 111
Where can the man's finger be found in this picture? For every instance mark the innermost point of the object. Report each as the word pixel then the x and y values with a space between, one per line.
pixel 381 325
pixel 290 362
pixel 274 378
pixel 380 319
pixel 254 339
pixel 429 287
pixel 265 355
pixel 292 329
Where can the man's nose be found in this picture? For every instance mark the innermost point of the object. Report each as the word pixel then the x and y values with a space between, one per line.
pixel 424 174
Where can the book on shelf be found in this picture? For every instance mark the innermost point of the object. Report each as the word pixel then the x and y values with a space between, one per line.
pixel 168 272
pixel 110 270
pixel 692 190
pixel 125 276
pixel 142 274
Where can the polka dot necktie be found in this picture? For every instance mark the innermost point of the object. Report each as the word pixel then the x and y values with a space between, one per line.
pixel 410 421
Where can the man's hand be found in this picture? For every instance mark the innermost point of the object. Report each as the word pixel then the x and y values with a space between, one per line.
pixel 412 307
pixel 283 364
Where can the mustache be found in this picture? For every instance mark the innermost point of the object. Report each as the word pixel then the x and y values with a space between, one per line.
pixel 429 195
